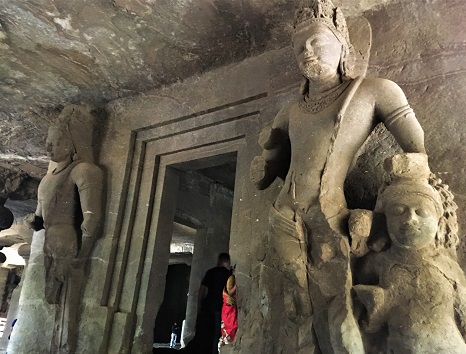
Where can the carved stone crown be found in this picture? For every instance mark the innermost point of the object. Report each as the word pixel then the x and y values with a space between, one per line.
pixel 322 11
pixel 410 175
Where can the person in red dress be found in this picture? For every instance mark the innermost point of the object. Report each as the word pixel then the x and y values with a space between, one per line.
pixel 229 313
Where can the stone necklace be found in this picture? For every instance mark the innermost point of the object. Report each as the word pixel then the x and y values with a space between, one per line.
pixel 319 102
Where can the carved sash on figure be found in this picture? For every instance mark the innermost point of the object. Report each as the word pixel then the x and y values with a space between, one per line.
pixel 69 209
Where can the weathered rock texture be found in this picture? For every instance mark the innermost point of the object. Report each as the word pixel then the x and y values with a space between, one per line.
pixel 413 291
pixel 69 210
pixel 55 52
pixel 419 45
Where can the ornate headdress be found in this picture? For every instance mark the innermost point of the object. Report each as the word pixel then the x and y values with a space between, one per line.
pixel 411 175
pixel 78 122
pixel 310 12
pixel 322 11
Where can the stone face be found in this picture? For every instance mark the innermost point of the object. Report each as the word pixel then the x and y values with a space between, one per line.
pixel 430 69
pixel 418 275
pixel 197 105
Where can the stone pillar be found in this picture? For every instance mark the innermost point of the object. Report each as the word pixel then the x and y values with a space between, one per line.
pixel 24 251
pixel 12 315
pixel 218 234
pixel 154 288
pixel 3 279
pixel 32 306
pixel 197 272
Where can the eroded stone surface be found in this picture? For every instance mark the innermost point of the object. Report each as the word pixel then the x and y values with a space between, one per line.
pixel 437 100
pixel 69 209
pixel 55 52
pixel 418 276
pixel 262 311
pixel 312 142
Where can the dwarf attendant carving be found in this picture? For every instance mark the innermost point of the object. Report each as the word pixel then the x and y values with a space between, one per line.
pixel 416 287
pixel 311 145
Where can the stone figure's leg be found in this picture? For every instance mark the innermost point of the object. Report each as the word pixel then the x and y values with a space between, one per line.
pixel 288 284
pixel 70 309
pixel 61 244
pixel 52 284
pixel 330 284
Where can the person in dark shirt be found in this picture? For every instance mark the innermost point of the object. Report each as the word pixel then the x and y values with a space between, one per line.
pixel 174 336
pixel 210 293
pixel 209 308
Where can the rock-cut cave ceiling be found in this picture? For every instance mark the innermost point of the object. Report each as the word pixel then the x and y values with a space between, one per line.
pixel 55 52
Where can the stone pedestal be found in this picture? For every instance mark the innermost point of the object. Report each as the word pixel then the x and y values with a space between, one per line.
pixel 28 336
pixel 12 315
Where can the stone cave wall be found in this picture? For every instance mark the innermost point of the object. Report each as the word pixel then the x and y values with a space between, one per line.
pixel 411 45
pixel 419 45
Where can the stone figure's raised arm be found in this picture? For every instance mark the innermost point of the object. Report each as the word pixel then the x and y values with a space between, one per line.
pixel 392 108
pixel 275 159
pixel 89 179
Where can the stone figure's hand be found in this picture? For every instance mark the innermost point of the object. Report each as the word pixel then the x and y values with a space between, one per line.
pixel 360 224
pixel 34 222
pixel 82 256
pixel 258 171
pixel 374 300
pixel 87 244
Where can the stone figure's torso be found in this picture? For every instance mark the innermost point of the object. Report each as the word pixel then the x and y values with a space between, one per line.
pixel 422 317
pixel 310 136
pixel 311 140
pixel 58 196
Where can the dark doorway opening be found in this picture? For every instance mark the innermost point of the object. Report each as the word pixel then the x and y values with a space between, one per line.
pixel 173 308
pixel 201 230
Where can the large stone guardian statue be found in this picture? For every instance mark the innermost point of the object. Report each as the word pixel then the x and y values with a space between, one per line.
pixel 311 145
pixel 414 292
pixel 69 209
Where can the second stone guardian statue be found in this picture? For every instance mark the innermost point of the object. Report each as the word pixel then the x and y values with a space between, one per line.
pixel 69 209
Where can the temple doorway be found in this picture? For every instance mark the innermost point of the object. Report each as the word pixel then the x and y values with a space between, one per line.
pixel 201 230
